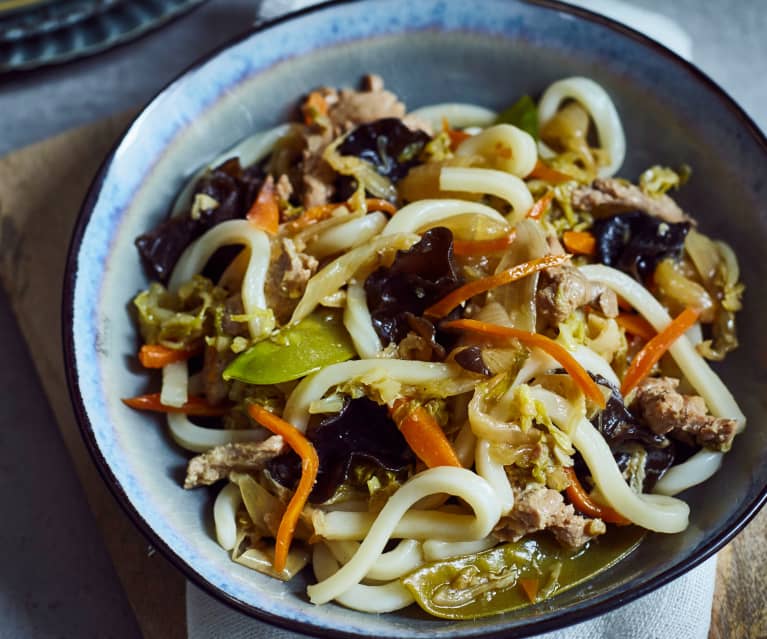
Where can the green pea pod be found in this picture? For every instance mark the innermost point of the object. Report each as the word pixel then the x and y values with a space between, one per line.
pixel 490 582
pixel 316 341
pixel 523 114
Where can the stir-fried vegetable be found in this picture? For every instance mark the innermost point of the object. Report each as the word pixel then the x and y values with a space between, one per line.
pixel 423 434
pixel 309 466
pixel 523 114
pixel 650 355
pixel 568 362
pixel 158 356
pixel 265 212
pixel 193 406
pixel 585 504
pixel 295 351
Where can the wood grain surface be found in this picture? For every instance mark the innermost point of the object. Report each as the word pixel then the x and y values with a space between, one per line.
pixel 32 257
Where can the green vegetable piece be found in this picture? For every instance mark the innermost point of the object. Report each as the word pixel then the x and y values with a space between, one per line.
pixel 522 114
pixel 487 583
pixel 318 340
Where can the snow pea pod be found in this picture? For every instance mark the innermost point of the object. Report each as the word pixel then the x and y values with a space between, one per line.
pixel 316 341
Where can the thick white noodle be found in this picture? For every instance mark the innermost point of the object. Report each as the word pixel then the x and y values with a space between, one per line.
pixel 358 322
pixel 499 183
pixel 405 558
pixel 654 512
pixel 353 233
pixel 458 115
pixel 600 107
pixel 225 508
pixel 196 255
pixel 175 381
pixel 697 469
pixel 706 382
pixel 375 599
pixel 465 444
pixel 199 440
pixel 504 147
pixel 435 550
pixel 249 150
pixel 444 479
pixel 494 473
pixel 336 274
pixel 425 214
pixel 313 387
pixel 417 523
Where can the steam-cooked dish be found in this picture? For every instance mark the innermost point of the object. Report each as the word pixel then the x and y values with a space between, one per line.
pixel 444 357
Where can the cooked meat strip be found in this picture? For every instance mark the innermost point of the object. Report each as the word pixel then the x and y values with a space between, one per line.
pixel 284 188
pixel 539 508
pixel 217 463
pixel 607 196
pixel 683 417
pixel 286 280
pixel 562 289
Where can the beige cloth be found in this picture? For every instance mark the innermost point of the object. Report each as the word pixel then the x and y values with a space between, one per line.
pixel 41 189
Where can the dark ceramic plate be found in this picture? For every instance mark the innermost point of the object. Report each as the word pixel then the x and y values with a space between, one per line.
pixel 428 51
pixel 51 32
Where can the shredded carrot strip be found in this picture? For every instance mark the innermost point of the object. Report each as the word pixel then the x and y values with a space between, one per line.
pixel 580 242
pixel 310 465
pixel 315 214
pixel 589 387
pixel 483 247
pixel 585 504
pixel 530 586
pixel 423 434
pixel 377 204
pixel 538 209
pixel 483 284
pixel 157 355
pixel 645 359
pixel 456 136
pixel 636 325
pixel 265 212
pixel 194 406
pixel 624 305
pixel 546 173
pixel 315 105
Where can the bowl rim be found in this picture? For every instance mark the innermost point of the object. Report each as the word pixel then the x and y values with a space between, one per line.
pixel 601 606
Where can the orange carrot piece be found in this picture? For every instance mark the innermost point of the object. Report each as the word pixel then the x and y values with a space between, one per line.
pixel 580 242
pixel 456 136
pixel 194 406
pixel 530 586
pixel 636 325
pixel 314 106
pixel 483 247
pixel 423 434
pixel 377 204
pixel 538 209
pixel 310 465
pixel 483 284
pixel 589 387
pixel 265 212
pixel 584 503
pixel 645 359
pixel 157 355
pixel 544 172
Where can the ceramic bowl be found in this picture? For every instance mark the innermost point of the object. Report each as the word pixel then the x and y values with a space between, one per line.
pixel 428 51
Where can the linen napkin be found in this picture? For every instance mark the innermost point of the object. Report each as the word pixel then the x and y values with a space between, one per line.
pixel 681 610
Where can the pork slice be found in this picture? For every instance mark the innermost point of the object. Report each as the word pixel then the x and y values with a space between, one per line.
pixel 540 508
pixel 607 196
pixel 359 107
pixel 219 462
pixel 286 280
pixel 684 417
pixel 563 289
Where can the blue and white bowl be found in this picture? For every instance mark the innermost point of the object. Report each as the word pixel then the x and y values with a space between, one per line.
pixel 428 51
